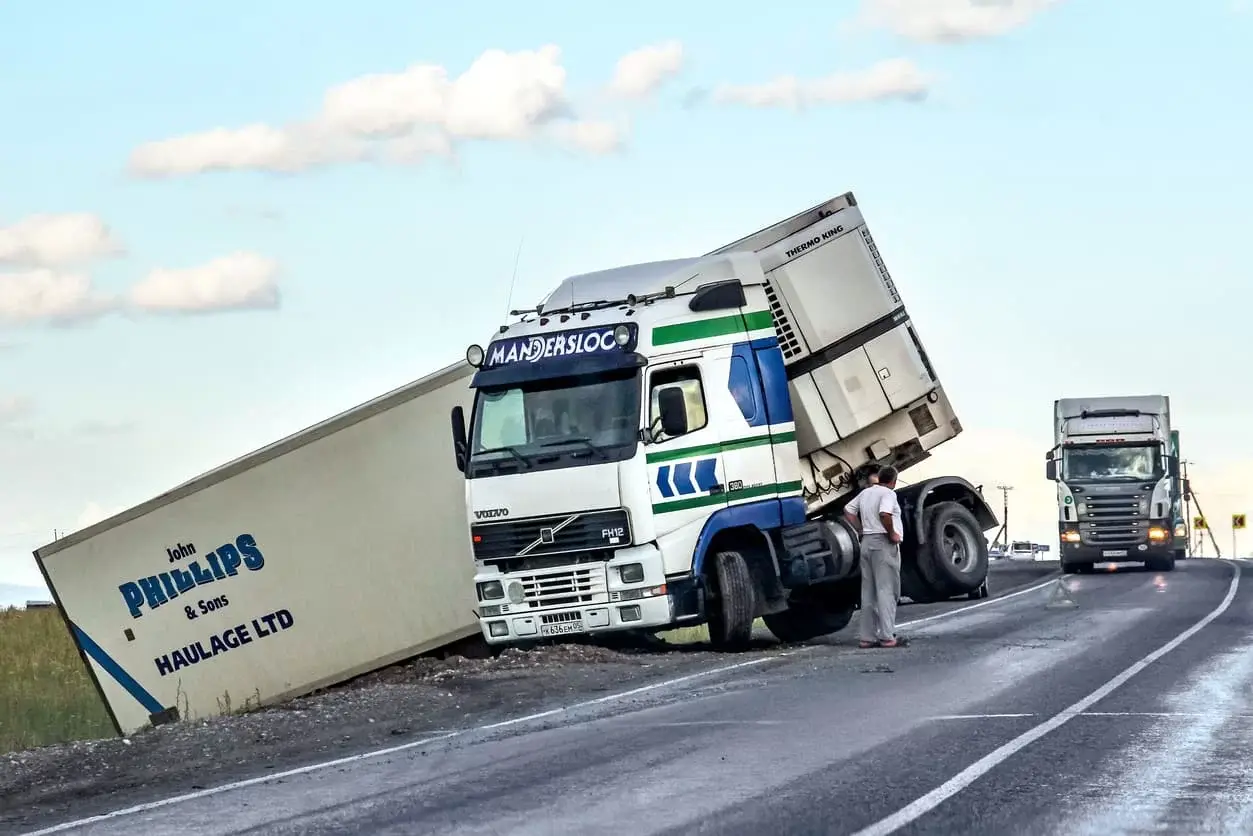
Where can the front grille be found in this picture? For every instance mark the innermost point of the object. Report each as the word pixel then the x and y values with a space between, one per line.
pixel 557 534
pixel 565 588
pixel 1113 518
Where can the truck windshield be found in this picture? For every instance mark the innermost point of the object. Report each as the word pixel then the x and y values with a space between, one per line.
pixel 547 423
pixel 1139 462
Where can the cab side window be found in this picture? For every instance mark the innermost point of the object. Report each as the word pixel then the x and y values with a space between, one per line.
pixel 687 380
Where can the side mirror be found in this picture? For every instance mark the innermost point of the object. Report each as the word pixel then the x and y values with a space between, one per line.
pixel 1172 466
pixel 459 443
pixel 1050 470
pixel 1048 455
pixel 673 409
pixel 1187 489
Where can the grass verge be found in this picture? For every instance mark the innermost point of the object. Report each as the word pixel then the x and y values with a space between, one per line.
pixel 45 693
pixel 696 635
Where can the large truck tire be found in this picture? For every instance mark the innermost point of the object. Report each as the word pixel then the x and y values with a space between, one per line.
pixel 915 587
pixel 731 618
pixel 954 561
pixel 1161 564
pixel 1181 554
pixel 810 616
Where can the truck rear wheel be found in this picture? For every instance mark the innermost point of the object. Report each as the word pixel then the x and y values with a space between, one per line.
pixel 954 560
pixel 808 617
pixel 731 618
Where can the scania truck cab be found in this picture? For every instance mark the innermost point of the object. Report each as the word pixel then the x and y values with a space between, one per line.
pixel 1115 473
pixel 673 443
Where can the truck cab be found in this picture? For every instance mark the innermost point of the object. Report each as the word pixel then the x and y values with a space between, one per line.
pixel 673 443
pixel 1114 472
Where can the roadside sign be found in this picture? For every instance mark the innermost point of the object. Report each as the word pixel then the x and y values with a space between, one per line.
pixel 1237 521
pixel 1199 523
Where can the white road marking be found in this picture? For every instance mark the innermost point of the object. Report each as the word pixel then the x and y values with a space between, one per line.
pixel 1166 714
pixel 925 804
pixel 391 750
pixel 989 602
pixel 976 716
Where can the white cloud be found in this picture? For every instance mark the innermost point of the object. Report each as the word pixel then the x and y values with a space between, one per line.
pixel 893 79
pixel 399 117
pixel 950 21
pixel 250 147
pixel 641 72
pixel 14 408
pixel 240 281
pixel 44 295
pixel 48 240
pixel 593 137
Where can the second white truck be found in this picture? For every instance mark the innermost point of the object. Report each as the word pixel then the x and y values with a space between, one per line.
pixel 673 443
pixel 1117 482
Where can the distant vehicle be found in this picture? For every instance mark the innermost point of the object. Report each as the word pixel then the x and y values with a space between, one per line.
pixel 996 552
pixel 1022 550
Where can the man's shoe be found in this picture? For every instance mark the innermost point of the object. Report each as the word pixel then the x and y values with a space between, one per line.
pixel 899 641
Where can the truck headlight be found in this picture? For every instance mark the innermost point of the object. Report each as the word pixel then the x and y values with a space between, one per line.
pixel 1180 531
pixel 1156 533
pixel 622 336
pixel 1070 537
pixel 632 572
pixel 491 590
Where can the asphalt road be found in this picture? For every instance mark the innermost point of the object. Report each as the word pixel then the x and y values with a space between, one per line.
pixel 1124 706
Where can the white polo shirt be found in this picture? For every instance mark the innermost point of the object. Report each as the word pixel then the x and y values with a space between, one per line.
pixel 873 501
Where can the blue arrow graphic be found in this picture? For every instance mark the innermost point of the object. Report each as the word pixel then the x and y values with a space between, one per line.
pixel 706 474
pixel 683 478
pixel 663 481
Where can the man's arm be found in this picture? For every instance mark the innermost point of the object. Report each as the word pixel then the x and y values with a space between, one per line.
pixel 852 513
pixel 886 506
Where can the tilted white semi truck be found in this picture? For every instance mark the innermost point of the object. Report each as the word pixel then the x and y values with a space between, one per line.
pixel 673 443
pixel 1117 491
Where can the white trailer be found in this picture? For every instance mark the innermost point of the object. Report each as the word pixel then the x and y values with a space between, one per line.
pixel 674 442
pixel 333 552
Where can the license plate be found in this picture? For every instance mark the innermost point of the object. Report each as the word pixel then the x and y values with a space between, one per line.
pixel 562 628
pixel 1114 553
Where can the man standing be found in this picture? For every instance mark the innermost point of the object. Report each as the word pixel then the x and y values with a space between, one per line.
pixel 876 515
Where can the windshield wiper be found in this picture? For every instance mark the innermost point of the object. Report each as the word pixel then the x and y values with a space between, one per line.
pixel 513 451
pixel 577 439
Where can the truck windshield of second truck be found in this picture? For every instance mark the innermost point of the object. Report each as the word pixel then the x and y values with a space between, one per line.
pixel 1105 463
pixel 556 421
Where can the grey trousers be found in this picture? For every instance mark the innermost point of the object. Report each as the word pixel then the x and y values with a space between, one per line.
pixel 880 587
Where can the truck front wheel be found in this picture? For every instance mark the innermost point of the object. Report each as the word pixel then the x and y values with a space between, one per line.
pixel 954 560
pixel 731 617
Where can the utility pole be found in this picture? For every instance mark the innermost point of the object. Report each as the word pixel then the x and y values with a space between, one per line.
pixel 1187 499
pixel 1003 531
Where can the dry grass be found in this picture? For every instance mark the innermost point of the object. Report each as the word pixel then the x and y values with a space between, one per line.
pixel 697 635
pixel 45 693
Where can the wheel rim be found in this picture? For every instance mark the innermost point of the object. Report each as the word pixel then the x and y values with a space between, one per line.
pixel 959 548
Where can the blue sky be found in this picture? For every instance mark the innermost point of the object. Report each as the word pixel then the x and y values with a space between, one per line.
pixel 1065 212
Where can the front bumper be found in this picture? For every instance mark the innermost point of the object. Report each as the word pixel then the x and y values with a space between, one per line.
pixel 1116 552
pixel 577 599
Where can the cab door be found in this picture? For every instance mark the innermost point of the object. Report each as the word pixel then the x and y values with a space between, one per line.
pixel 687 473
